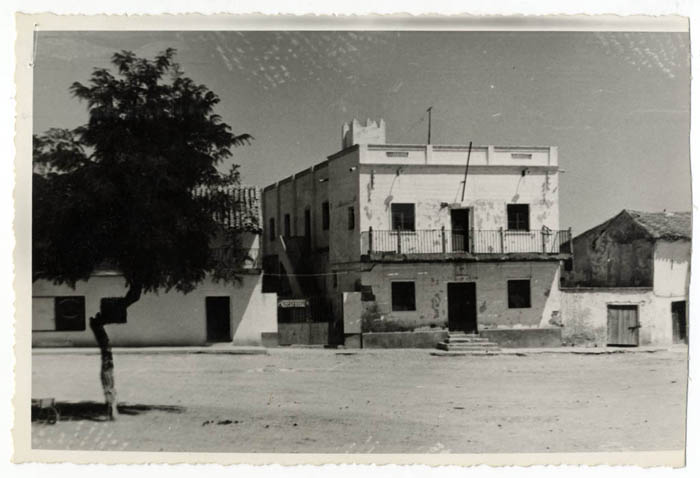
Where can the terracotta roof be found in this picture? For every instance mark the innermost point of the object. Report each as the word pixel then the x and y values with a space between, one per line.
pixel 244 211
pixel 664 225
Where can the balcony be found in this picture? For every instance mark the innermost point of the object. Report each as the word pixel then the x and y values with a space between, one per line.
pixel 441 244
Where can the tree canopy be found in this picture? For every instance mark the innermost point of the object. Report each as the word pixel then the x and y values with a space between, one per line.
pixel 119 190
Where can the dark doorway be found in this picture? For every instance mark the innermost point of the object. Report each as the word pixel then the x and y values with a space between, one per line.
pixel 678 320
pixel 460 230
pixel 623 325
pixel 461 306
pixel 218 319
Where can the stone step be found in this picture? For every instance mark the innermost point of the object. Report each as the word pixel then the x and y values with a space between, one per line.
pixel 465 339
pixel 467 346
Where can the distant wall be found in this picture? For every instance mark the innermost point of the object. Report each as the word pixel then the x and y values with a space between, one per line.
pixel 584 314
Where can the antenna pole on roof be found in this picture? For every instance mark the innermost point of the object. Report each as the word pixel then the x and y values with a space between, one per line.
pixel 466 170
pixel 430 115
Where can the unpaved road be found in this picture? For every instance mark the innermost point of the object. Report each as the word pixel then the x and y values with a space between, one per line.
pixel 387 401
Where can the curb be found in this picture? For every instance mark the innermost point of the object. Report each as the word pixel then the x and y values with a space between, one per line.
pixel 154 351
pixel 563 350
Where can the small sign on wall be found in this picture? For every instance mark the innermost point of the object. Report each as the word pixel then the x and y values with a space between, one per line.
pixel 292 303
pixel 464 272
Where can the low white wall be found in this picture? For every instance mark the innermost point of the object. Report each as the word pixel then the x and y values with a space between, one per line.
pixel 584 314
pixel 167 318
pixel 256 316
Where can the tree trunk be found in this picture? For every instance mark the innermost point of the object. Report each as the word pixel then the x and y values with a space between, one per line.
pixel 107 367
pixel 97 324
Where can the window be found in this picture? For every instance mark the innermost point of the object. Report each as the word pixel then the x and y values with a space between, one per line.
pixel 351 218
pixel 521 155
pixel 518 217
pixel 272 229
pixel 325 215
pixel 403 217
pixel 519 294
pixel 287 226
pixel 569 265
pixel 403 296
pixel 58 313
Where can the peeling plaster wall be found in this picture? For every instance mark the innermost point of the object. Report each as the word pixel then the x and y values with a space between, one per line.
pixel 491 291
pixel 584 315
pixel 432 191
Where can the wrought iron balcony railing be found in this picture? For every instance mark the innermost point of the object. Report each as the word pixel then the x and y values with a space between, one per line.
pixel 472 241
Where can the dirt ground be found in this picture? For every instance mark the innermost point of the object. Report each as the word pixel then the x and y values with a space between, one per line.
pixel 384 401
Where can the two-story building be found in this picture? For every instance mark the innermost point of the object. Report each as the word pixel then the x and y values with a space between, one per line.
pixel 433 236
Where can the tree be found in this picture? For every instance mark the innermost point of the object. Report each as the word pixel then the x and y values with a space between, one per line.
pixel 120 190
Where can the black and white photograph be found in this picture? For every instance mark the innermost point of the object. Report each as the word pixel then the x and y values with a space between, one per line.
pixel 349 240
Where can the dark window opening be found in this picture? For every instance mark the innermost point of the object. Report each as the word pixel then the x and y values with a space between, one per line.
pixel 70 313
pixel 403 217
pixel 272 229
pixel 518 217
pixel 287 225
pixel 403 296
pixel 351 218
pixel 519 294
pixel 325 215
pixel 569 265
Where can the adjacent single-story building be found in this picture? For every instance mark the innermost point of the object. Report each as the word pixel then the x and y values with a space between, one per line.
pixel 236 312
pixel 627 282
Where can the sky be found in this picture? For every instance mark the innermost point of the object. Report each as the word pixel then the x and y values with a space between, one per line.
pixel 615 103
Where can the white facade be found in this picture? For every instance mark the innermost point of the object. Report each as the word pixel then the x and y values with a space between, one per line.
pixel 167 318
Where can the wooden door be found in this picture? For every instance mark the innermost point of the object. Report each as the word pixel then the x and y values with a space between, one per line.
pixel 218 310
pixel 460 230
pixel 678 322
pixel 623 325
pixel 461 306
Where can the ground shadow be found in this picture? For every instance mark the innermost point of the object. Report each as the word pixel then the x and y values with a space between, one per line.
pixel 95 411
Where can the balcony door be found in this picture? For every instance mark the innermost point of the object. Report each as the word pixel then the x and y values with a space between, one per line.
pixel 460 230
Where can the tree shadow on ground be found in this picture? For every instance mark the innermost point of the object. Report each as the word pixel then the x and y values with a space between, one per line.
pixel 95 411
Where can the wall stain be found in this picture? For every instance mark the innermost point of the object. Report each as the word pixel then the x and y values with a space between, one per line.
pixel 482 307
pixel 435 305
pixel 368 212
pixel 387 201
